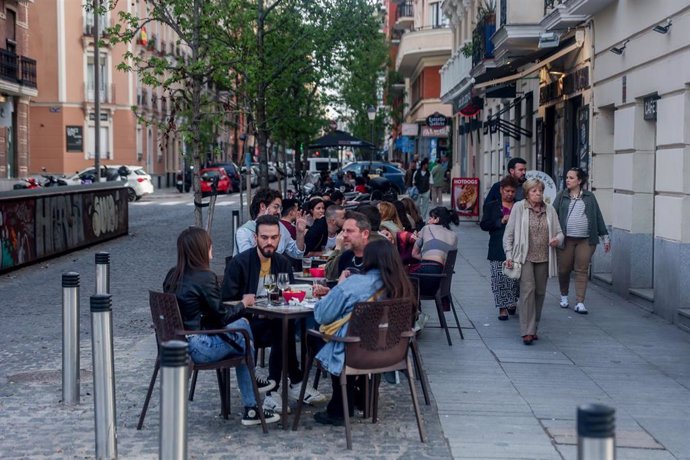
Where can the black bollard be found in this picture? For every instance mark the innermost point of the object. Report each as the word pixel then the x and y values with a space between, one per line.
pixel 596 426
pixel 103 376
pixel 173 424
pixel 70 338
pixel 102 273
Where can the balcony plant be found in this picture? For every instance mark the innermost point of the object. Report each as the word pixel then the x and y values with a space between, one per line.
pixel 486 11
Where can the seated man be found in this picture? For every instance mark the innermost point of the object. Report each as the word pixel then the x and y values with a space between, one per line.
pixel 244 275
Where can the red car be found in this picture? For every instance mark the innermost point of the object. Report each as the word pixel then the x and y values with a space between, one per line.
pixel 209 175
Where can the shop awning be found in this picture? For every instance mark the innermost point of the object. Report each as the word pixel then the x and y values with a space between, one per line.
pixel 531 69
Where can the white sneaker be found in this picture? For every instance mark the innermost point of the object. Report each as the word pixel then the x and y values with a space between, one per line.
pixel 274 402
pixel 564 301
pixel 580 308
pixel 311 395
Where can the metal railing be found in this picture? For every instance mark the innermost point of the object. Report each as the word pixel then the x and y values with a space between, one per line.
pixel 28 71
pixel 482 46
pixel 17 69
pixel 405 10
pixel 455 71
pixel 551 4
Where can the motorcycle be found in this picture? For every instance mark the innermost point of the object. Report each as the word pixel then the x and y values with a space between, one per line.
pixel 27 183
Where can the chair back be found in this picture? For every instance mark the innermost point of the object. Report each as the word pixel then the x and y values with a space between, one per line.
pixel 448 270
pixel 380 327
pixel 166 317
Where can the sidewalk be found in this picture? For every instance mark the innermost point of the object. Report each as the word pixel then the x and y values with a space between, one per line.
pixel 500 399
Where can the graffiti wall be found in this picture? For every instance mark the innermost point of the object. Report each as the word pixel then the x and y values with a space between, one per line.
pixel 38 226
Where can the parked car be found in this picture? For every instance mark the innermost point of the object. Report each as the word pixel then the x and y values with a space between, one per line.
pixel 209 175
pixel 137 180
pixel 272 172
pixel 253 172
pixel 233 172
pixel 379 168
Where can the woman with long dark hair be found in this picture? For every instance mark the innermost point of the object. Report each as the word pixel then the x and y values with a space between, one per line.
pixel 382 277
pixel 413 212
pixel 198 297
pixel 431 248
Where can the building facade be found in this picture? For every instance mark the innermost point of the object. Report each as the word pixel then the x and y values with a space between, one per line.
pixel 598 84
pixel 421 39
pixel 18 86
pixel 63 116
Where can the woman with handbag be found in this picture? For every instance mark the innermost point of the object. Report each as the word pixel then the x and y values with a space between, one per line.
pixel 496 213
pixel 580 217
pixel 530 240
pixel 198 297
pixel 382 277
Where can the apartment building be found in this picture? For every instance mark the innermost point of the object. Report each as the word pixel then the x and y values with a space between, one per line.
pixel 18 86
pixel 598 84
pixel 63 116
pixel 421 41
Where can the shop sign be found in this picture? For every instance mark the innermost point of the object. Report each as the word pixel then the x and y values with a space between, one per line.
pixel 571 83
pixel 583 136
pixel 437 120
pixel 410 129
pixel 650 107
pixel 465 196
pixel 428 131
pixel 550 190
pixel 75 138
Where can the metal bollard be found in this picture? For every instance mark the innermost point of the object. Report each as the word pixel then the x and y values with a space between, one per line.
pixel 70 338
pixel 234 225
pixel 173 425
pixel 103 376
pixel 596 426
pixel 102 273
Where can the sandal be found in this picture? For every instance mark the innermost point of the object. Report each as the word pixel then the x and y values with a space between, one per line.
pixel 503 314
pixel 512 310
pixel 527 339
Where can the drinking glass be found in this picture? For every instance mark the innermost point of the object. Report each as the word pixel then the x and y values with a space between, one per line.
pixel 306 265
pixel 319 282
pixel 283 281
pixel 269 283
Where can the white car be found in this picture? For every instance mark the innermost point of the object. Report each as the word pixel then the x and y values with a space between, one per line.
pixel 138 182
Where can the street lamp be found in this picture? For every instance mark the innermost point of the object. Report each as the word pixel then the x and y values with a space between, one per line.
pixel 371 113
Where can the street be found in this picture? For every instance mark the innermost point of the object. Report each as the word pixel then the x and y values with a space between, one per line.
pixel 492 396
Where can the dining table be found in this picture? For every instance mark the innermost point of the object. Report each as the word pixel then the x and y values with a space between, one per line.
pixel 285 313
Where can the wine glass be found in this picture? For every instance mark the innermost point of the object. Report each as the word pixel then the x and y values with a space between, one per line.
pixel 283 281
pixel 269 283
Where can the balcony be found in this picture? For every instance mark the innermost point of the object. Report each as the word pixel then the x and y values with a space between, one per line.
pixel 518 34
pixel 106 93
pixel 420 44
pixel 482 46
pixel 16 69
pixel 565 14
pixel 404 16
pixel 455 74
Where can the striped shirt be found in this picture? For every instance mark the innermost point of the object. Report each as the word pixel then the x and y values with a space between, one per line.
pixel 578 224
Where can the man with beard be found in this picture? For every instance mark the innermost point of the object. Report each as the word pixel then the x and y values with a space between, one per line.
pixel 517 167
pixel 244 274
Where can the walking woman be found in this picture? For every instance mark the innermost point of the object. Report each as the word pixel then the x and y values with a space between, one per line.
pixel 530 239
pixel 198 296
pixel 382 277
pixel 580 217
pixel 495 218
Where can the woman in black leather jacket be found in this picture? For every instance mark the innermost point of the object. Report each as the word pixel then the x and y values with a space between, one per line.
pixel 198 296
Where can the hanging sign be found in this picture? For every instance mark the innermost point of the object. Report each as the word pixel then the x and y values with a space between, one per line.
pixel 437 120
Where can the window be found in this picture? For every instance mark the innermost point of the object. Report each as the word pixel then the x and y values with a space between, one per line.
pixel 103 22
pixel 437 17
pixel 104 143
pixel 91 79
pixel 11 32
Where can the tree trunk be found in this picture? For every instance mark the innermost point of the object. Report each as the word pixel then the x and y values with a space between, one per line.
pixel 261 135
pixel 195 124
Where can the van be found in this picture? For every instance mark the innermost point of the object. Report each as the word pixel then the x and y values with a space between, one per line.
pixel 318 164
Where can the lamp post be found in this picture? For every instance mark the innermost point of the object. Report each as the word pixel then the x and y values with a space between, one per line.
pixel 371 113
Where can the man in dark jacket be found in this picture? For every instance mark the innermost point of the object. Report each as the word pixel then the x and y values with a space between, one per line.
pixel 517 167
pixel 244 274
pixel 421 180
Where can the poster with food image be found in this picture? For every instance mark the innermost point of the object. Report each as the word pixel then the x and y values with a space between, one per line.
pixel 465 196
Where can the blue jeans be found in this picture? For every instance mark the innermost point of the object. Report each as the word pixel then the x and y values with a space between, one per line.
pixel 210 348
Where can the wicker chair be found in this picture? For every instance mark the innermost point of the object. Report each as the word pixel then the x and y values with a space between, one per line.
pixel 442 293
pixel 168 325
pixel 377 341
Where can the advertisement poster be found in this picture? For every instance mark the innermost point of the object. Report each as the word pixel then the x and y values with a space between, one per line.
pixel 465 196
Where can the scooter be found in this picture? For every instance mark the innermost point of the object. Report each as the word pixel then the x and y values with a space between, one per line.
pixel 27 183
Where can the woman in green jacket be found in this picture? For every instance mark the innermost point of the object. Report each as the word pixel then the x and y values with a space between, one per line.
pixel 583 225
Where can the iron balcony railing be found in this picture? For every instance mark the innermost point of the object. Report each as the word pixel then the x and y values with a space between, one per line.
pixel 551 4
pixel 17 69
pixel 404 11
pixel 482 46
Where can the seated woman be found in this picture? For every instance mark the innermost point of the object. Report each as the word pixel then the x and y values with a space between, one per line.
pixel 390 214
pixel 198 296
pixel 412 212
pixel 431 248
pixel 382 277
pixel 317 233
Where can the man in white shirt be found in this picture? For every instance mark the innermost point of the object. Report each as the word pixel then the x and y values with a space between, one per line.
pixel 269 202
